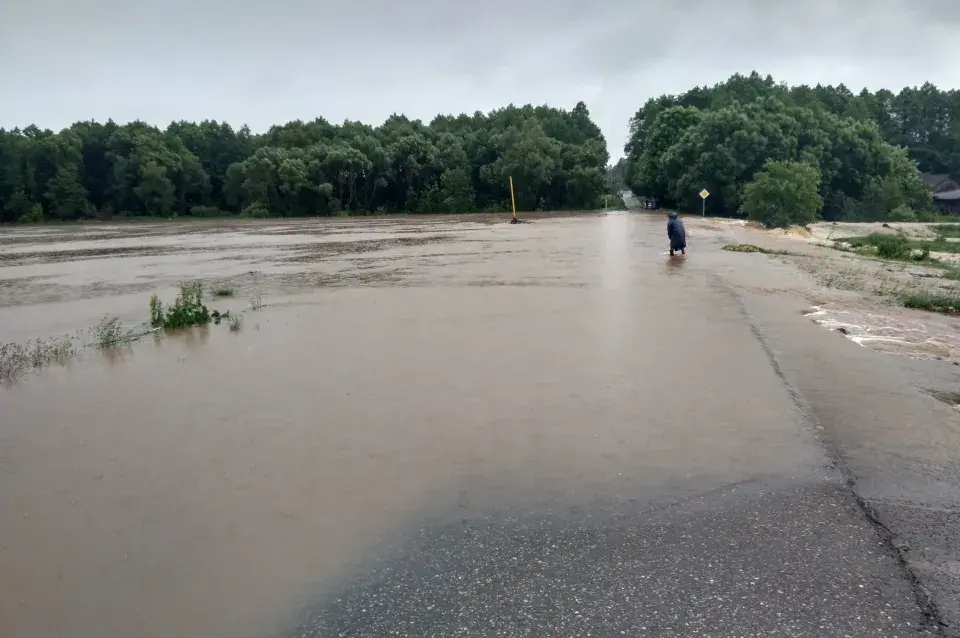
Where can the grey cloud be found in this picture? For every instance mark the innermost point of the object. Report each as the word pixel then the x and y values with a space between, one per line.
pixel 268 62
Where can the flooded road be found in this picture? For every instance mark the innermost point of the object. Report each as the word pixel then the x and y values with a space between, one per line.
pixel 449 427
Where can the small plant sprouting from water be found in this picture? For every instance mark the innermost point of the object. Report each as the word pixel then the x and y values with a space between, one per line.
pixel 187 310
pixel 109 332
pixel 156 312
pixel 256 303
pixel 234 322
pixel 223 291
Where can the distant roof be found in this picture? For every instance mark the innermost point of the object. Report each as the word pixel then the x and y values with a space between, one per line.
pixel 948 195
pixel 934 178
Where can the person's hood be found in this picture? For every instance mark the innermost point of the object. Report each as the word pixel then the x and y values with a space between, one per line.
pixel 672 215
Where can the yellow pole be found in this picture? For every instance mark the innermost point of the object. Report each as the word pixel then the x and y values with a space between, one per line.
pixel 513 202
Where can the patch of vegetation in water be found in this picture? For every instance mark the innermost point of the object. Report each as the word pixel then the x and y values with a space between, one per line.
pixel 187 309
pixel 17 358
pixel 109 332
pixel 223 291
pixel 750 248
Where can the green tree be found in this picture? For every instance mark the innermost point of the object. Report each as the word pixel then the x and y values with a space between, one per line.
pixel 783 194
pixel 155 190
pixel 66 196
pixel 851 140
pixel 651 176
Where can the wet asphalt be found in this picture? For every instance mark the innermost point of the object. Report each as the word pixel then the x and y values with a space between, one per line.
pixel 745 561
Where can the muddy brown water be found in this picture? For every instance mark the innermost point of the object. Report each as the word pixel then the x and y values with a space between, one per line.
pixel 210 483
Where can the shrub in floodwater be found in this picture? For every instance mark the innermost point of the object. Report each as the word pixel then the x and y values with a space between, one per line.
pixel 234 322
pixel 109 332
pixel 156 312
pixel 256 303
pixel 218 317
pixel 17 358
pixel 187 310
pixel 223 291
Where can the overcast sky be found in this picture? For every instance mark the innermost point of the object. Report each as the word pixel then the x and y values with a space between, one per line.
pixel 262 63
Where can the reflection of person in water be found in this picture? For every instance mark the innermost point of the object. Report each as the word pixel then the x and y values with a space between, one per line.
pixel 677 234
pixel 674 266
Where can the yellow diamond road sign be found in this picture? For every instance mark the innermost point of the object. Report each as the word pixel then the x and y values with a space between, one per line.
pixel 704 193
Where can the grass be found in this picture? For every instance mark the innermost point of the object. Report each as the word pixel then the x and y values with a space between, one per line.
pixel 901 247
pixel 947 230
pixel 256 303
pixel 909 293
pixel 223 291
pixel 933 301
pixel 109 332
pixel 187 309
pixel 17 358
pixel 234 322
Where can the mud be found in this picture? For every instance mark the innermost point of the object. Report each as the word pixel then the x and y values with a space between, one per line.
pixel 217 483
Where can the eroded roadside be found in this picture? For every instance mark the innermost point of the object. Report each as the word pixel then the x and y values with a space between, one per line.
pixel 883 394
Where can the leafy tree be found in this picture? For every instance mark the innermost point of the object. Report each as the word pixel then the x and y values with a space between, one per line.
pixel 651 176
pixel 719 137
pixel 66 196
pixel 783 194
pixel 155 190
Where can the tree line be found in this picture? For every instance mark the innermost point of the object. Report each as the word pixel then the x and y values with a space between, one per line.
pixel 557 159
pixel 758 145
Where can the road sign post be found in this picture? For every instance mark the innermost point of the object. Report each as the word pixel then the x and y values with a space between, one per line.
pixel 704 194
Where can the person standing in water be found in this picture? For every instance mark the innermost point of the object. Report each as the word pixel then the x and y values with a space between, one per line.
pixel 677 234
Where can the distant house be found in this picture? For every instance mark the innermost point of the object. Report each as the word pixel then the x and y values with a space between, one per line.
pixel 946 192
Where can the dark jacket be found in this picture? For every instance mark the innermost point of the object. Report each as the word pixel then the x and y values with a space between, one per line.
pixel 676 232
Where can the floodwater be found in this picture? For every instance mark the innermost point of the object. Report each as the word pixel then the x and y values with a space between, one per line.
pixel 218 483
